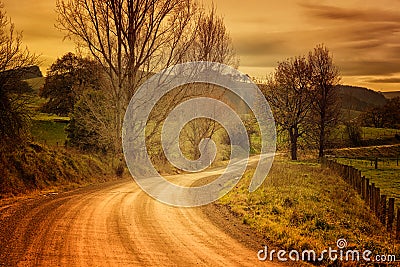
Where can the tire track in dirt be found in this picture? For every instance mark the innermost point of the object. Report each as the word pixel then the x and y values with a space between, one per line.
pixel 114 224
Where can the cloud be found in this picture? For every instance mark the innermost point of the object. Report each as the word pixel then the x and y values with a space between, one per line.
pixel 328 12
pixel 369 68
pixel 251 45
pixel 365 41
pixel 385 80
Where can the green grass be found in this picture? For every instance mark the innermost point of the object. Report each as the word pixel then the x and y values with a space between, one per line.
pixel 50 117
pixel 49 132
pixel 385 151
pixel 46 128
pixel 386 177
pixel 367 133
pixel 301 206
pixel 378 133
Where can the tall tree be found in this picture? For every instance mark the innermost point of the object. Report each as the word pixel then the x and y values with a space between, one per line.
pixel 288 92
pixel 66 80
pixel 14 115
pixel 326 109
pixel 212 43
pixel 130 40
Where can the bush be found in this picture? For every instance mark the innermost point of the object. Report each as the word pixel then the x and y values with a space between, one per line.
pixel 119 171
pixel 354 133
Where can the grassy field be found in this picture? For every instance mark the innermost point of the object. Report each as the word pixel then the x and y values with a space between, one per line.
pixel 46 128
pixel 367 133
pixel 378 133
pixel 385 151
pixel 49 132
pixel 300 206
pixel 386 177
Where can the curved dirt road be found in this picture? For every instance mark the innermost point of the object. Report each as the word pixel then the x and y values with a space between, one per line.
pixel 113 224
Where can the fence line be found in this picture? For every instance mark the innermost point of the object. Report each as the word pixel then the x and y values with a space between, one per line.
pixel 380 205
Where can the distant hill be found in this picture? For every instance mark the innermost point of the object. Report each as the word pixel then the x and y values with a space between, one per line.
pixel 390 95
pixel 360 98
pixel 24 73
pixel 36 83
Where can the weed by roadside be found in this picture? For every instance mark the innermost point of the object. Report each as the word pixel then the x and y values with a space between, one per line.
pixel 301 206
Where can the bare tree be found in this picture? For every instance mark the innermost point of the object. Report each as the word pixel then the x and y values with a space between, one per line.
pixel 14 114
pixel 326 109
pixel 130 39
pixel 288 92
pixel 90 128
pixel 212 43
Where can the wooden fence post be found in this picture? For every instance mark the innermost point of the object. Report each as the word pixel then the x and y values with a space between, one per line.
pixel 398 225
pixel 367 191
pixel 377 201
pixel 390 215
pixel 363 191
pixel 383 209
pixel 372 197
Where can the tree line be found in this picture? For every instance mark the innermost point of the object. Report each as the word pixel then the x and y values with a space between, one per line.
pixel 384 116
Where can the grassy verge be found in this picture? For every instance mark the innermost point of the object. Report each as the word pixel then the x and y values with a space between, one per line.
pixel 300 206
pixel 37 167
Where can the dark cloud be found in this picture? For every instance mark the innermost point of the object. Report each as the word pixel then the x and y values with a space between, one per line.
pixel 369 68
pixel 385 80
pixel 365 41
pixel 251 45
pixel 350 14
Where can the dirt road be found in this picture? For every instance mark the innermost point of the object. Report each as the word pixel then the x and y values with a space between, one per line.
pixel 114 224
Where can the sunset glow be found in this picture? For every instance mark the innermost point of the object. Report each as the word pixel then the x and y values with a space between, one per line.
pixel 362 35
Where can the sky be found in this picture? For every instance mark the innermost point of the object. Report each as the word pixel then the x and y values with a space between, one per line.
pixel 362 35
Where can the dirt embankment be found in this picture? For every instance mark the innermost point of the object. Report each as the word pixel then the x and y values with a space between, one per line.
pixel 35 167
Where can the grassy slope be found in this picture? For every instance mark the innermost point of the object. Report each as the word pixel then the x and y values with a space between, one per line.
pixel 42 166
pixel 49 132
pixel 300 206
pixel 38 167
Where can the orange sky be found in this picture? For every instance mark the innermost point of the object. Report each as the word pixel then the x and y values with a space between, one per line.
pixel 364 36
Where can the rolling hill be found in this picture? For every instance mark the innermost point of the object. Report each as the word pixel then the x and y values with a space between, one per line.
pixel 360 98
pixel 390 95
